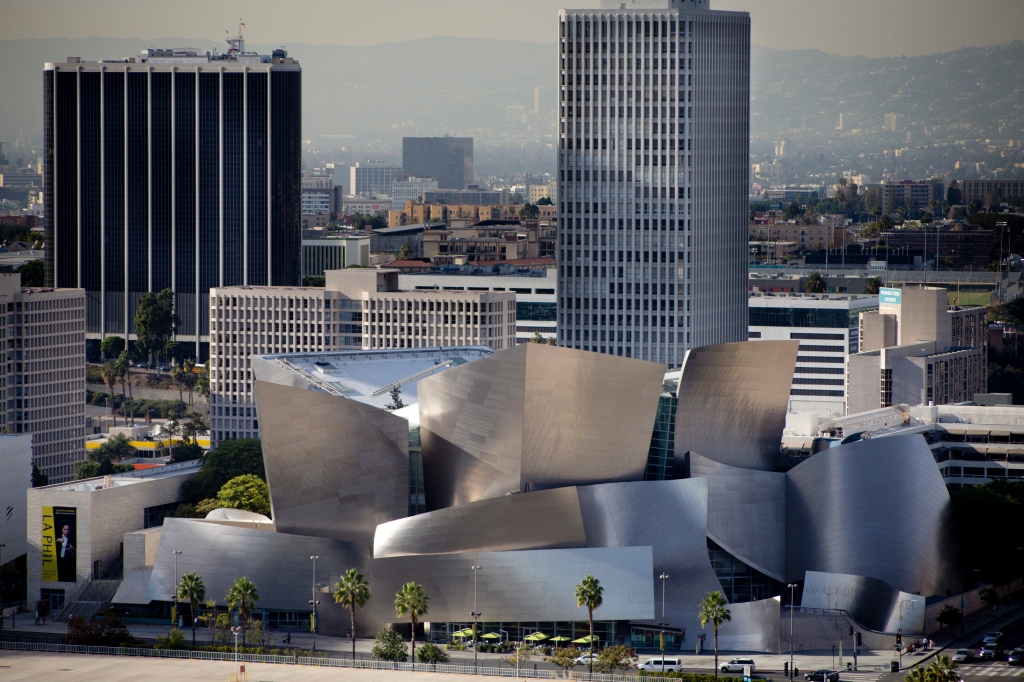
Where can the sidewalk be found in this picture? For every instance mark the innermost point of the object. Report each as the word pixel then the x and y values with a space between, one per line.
pixel 974 626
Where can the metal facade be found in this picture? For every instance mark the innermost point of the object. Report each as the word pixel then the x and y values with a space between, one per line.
pixel 732 402
pixel 871 602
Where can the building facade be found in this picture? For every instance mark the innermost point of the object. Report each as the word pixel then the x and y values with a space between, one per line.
pixel 357 309
pixel 413 189
pixel 448 160
pixel 912 193
pixel 373 177
pixel 653 164
pixel 334 253
pixel 178 170
pixel 826 325
pixel 981 189
pixel 953 248
pixel 486 197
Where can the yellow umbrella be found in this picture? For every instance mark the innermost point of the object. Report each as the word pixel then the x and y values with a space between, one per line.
pixel 535 637
pixel 560 638
pixel 463 634
pixel 491 635
pixel 586 639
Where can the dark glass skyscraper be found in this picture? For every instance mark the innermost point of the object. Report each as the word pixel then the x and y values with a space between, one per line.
pixel 449 160
pixel 181 169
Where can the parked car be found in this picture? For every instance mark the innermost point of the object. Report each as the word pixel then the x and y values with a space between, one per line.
pixel 655 665
pixel 994 637
pixel 963 656
pixel 736 665
pixel 584 659
pixel 990 651
pixel 822 676
pixel 1016 656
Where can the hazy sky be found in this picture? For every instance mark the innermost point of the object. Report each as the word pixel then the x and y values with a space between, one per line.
pixel 868 27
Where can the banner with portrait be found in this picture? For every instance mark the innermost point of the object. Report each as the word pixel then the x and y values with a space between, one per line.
pixel 59 545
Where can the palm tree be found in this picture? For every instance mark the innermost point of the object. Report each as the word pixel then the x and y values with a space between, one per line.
pixel 816 284
pixel 589 593
pixel 192 588
pixel 412 600
pixel 242 597
pixel 918 674
pixel 109 374
pixel 943 669
pixel 123 366
pixel 189 377
pixel 873 285
pixel 712 610
pixel 352 590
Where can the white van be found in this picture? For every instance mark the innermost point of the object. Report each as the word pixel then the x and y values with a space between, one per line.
pixel 655 665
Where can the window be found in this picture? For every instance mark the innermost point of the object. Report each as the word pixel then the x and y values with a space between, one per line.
pixel 154 516
pixel 53 598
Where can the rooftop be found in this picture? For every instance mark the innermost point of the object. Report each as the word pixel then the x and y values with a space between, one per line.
pixel 89 485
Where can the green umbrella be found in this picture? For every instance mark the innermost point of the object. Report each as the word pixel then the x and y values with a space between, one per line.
pixel 586 639
pixel 535 637
pixel 491 635
pixel 560 638
pixel 463 633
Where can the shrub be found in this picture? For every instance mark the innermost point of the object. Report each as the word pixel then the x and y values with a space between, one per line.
pixel 111 631
pixel 615 659
pixel 389 646
pixel 173 640
pixel 430 653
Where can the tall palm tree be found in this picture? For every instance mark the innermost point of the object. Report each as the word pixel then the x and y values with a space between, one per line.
pixel 412 600
pixel 589 593
pixel 189 377
pixel 192 588
pixel 242 597
pixel 873 285
pixel 712 610
pixel 110 375
pixel 124 367
pixel 816 284
pixel 352 590
pixel 943 669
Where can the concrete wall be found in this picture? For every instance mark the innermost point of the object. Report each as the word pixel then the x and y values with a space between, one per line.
pixel 877 331
pixel 922 316
pixel 15 479
pixel 862 382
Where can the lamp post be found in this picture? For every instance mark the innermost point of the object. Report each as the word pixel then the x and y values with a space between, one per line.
pixel 476 617
pixel 314 601
pixel 792 598
pixel 962 574
pixel 905 601
pixel 175 618
pixel 236 630
pixel 663 577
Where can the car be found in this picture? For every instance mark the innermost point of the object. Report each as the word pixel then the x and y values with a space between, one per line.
pixel 1016 656
pixel 990 651
pixel 822 676
pixel 737 665
pixel 655 665
pixel 584 659
pixel 963 656
pixel 994 637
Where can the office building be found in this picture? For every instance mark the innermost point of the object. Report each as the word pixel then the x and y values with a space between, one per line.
pixel 448 160
pixel 472 195
pixel 367 204
pixel 827 327
pixel 653 164
pixel 326 252
pixel 798 193
pixel 373 177
pixel 980 190
pixel 917 349
pixel 358 308
pixel 413 189
pixel 316 201
pixel 178 169
pixel 910 193
pixel 951 246
pixel 427 461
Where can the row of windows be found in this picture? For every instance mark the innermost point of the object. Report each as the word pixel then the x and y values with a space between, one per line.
pixel 580 27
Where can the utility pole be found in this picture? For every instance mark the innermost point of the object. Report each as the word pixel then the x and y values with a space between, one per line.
pixel 476 617
pixel 663 577
pixel 314 601
pixel 174 618
pixel 792 597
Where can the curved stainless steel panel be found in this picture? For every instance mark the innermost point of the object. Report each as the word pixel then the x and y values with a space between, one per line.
pixel 873 603
pixel 277 562
pixel 535 417
pixel 746 513
pixel 335 467
pixel 546 519
pixel 732 402
pixel 876 508
pixel 754 627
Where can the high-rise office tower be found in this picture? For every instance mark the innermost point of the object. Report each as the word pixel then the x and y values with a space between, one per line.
pixel 179 169
pixel 449 160
pixel 654 123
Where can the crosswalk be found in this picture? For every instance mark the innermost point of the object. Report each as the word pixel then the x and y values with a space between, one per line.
pixel 993 669
pixel 862 675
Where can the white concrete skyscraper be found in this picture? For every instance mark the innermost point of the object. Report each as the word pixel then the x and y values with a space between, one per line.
pixel 654 122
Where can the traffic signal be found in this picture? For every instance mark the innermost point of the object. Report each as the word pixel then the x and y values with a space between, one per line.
pixel 858 639
pixel 851 631
pixel 899 640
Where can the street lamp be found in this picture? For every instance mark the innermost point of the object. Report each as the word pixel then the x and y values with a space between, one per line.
pixel 175 618
pixel 236 630
pixel 905 601
pixel 792 598
pixel 962 574
pixel 663 577
pixel 476 616
pixel 314 601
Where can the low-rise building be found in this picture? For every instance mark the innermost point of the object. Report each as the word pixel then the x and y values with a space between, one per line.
pixel 412 189
pixel 367 203
pixel 473 195
pixel 979 190
pixel 334 252
pixel 488 240
pixel 827 327
pixel 912 193
pixel 829 235
pixel 953 245
pixel 918 350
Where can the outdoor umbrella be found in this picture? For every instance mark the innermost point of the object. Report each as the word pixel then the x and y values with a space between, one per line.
pixel 560 638
pixel 585 639
pixel 491 635
pixel 535 637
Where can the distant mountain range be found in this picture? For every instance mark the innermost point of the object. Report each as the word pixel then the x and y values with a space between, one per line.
pixel 461 85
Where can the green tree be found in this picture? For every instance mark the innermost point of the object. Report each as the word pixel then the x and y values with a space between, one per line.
pixel 112 346
pixel 39 479
pixel 110 374
pixel 231 458
pixel 189 377
pixel 816 284
pixel 563 657
pixel 589 593
pixel 949 615
pixel 192 589
pixel 101 461
pixel 616 659
pixel 351 591
pixel 989 596
pixel 873 285
pixel 544 201
pixel 124 374
pixel 203 381
pixel 529 212
pixel 246 492
pixel 388 646
pixel 404 252
pixel 174 641
pixel 33 273
pixel 431 653
pixel 155 321
pixel 242 597
pixel 193 425
pixel 712 610
pixel 943 669
pixel 953 194
pixel 537 338
pixel 412 600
